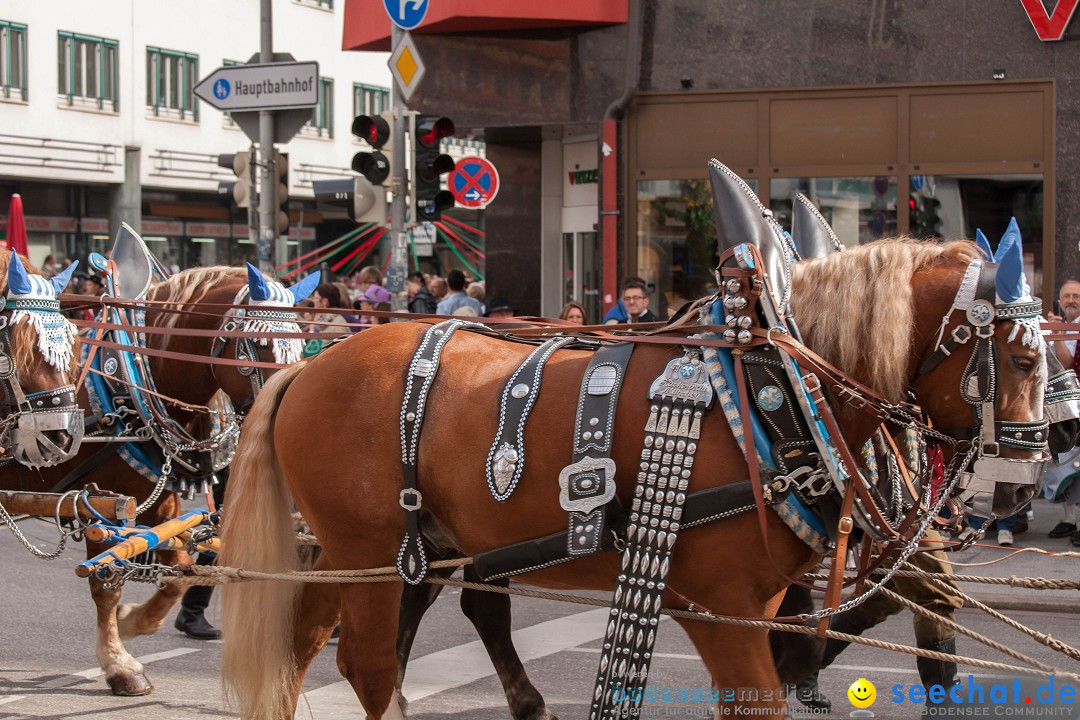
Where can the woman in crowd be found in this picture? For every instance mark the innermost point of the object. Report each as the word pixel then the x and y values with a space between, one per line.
pixel 574 312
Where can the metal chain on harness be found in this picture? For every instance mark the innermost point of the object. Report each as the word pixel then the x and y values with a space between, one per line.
pixel 65 535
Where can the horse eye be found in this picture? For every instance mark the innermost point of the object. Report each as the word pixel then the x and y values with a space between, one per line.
pixel 1024 364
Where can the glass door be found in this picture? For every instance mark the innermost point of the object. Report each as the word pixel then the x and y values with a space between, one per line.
pixel 581 273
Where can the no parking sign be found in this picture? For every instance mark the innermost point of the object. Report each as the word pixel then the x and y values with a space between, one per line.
pixel 474 182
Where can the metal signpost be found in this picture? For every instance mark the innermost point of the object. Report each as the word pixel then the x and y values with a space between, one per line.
pixel 282 93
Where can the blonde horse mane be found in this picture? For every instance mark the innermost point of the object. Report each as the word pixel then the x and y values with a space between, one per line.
pixel 854 308
pixel 185 288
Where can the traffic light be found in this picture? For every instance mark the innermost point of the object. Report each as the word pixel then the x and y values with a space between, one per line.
pixel 240 189
pixel 365 202
pixel 375 131
pixel 369 201
pixel 280 168
pixel 924 217
pixel 429 199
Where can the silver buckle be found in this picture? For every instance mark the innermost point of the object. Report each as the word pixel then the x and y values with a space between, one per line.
pixel 410 504
pixel 604 467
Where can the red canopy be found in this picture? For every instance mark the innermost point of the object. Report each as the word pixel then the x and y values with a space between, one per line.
pixel 16 227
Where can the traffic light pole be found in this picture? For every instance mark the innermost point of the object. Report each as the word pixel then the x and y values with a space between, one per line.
pixel 398 267
pixel 267 182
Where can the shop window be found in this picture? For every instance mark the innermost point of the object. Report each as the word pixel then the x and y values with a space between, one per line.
pixel 370 99
pixel 13 60
pixel 860 209
pixel 170 81
pixel 322 117
pixel 88 74
pixel 676 241
pixel 954 206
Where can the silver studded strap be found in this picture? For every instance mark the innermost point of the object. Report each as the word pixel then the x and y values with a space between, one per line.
pixel 411 560
pixel 587 484
pixel 506 459
pixel 679 399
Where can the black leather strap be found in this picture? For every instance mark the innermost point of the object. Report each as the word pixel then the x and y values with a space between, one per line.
pixel 702 507
pixel 411 560
pixel 792 445
pixel 506 459
pixel 588 483
pixel 86 467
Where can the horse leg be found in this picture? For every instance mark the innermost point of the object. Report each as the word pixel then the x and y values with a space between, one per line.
pixel 146 618
pixel 318 611
pixel 490 614
pixel 366 656
pixel 415 601
pixel 123 673
pixel 750 681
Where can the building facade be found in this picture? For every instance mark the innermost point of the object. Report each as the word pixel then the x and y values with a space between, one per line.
pixel 100 123
pixel 895 116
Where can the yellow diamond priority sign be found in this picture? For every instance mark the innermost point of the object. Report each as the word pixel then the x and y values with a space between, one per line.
pixel 406 66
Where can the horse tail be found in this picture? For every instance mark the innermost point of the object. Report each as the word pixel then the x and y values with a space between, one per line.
pixel 257 534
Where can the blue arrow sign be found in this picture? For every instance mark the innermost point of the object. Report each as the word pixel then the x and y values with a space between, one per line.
pixel 406 14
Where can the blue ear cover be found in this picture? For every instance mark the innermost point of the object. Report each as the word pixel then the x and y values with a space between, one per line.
pixel 984 245
pixel 1010 257
pixel 18 280
pixel 301 290
pixel 61 280
pixel 257 289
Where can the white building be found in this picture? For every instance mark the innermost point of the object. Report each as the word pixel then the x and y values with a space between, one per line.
pixel 98 121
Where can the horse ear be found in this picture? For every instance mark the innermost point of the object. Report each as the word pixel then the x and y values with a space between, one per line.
pixel 1011 237
pixel 257 289
pixel 18 279
pixel 984 245
pixel 61 280
pixel 1010 257
pixel 301 290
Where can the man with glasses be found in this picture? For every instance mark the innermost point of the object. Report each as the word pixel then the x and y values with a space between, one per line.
pixel 634 299
pixel 1060 485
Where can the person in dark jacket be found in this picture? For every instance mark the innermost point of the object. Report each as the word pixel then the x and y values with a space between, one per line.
pixel 420 299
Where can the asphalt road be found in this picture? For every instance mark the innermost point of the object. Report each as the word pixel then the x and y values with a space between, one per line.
pixel 48 668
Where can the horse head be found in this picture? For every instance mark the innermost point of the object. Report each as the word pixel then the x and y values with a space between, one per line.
pixel 979 374
pixel 1002 375
pixel 37 364
pixel 269 310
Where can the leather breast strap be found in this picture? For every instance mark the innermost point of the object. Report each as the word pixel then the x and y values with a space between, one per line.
pixel 506 459
pixel 411 559
pixel 587 484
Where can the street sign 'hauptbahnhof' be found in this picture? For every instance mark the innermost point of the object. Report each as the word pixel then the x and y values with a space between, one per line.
pixel 275 86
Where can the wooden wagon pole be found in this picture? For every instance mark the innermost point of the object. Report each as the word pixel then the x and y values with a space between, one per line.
pixel 143 540
pixel 110 507
pixel 115 535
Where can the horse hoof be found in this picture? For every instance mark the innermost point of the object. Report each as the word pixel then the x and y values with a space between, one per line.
pixel 130 685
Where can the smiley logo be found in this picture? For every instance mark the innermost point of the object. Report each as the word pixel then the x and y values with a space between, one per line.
pixel 862 693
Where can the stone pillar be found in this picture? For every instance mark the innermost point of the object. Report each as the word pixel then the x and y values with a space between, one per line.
pixel 125 199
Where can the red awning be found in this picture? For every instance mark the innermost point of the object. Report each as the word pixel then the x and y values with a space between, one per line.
pixel 367 26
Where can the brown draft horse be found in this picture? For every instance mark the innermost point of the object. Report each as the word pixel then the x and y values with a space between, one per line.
pixel 193 383
pixel 886 298
pixel 32 372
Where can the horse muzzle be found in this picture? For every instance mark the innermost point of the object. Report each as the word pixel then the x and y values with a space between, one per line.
pixel 47 438
pixel 999 486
